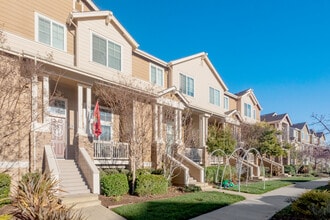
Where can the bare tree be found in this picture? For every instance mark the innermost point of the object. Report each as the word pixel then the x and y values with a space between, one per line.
pixel 133 111
pixel 322 121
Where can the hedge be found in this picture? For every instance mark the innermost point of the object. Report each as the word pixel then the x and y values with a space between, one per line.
pixel 114 184
pixel 211 173
pixel 151 184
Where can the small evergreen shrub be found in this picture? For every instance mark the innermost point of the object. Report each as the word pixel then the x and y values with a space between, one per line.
pixel 114 184
pixel 314 204
pixel 289 169
pixel 4 188
pixel 192 188
pixel 150 184
pixel 211 173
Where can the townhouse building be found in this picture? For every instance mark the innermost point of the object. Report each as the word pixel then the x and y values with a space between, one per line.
pixel 82 57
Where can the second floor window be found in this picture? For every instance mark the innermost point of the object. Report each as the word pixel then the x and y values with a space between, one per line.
pixel 106 52
pixel 247 110
pixel 156 75
pixel 214 96
pixel 50 32
pixel 226 103
pixel 186 85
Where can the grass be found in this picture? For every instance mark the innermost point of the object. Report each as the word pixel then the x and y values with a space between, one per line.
pixel 181 207
pixel 257 187
pixel 288 214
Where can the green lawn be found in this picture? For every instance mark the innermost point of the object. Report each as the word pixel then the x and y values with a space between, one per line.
pixel 257 187
pixel 182 207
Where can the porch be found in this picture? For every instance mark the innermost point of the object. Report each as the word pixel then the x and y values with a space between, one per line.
pixel 111 154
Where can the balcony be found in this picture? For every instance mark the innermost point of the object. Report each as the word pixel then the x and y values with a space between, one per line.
pixel 111 154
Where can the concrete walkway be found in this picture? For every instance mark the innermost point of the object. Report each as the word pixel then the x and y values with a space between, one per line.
pixel 262 207
pixel 99 212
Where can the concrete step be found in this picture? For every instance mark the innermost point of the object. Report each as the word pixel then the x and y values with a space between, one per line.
pixel 80 200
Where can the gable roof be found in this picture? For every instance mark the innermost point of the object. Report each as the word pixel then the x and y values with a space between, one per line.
pixel 108 17
pixel 320 134
pixel 234 112
pixel 91 3
pixel 203 56
pixel 150 57
pixel 252 95
pixel 174 90
pixel 300 126
pixel 273 117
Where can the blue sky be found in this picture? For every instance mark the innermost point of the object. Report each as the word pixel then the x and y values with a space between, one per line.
pixel 279 48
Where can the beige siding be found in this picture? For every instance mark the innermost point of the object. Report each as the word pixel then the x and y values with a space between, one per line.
pixel 141 68
pixel 203 79
pixel 17 17
pixel 85 30
pixel 232 103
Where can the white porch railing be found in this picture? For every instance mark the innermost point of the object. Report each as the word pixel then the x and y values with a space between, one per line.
pixel 194 154
pixel 110 150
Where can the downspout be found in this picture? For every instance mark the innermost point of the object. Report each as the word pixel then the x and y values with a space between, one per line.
pixel 75 35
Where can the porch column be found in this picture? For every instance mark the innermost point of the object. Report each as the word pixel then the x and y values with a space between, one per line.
pixel 160 123
pixel 203 132
pixel 177 126
pixel 80 109
pixel 88 110
pixel 155 122
pixel 45 98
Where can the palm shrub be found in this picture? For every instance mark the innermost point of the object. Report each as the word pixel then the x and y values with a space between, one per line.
pixel 4 188
pixel 314 204
pixel 35 198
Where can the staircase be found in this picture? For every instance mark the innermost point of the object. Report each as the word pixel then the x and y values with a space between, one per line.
pixel 75 191
pixel 203 186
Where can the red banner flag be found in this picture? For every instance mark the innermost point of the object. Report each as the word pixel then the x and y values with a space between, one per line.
pixel 97 129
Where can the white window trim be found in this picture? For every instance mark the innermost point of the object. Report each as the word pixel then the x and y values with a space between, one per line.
pixel 36 31
pixel 157 67
pixel 186 85
pixel 58 115
pixel 214 103
pixel 107 40
pixel 246 110
pixel 226 103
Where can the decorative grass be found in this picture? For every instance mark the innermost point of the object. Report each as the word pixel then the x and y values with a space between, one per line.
pixel 257 187
pixel 181 207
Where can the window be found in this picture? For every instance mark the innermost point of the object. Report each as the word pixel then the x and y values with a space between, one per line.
pixel 254 114
pixel 156 75
pixel 226 103
pixel 106 124
pixel 214 96
pixel 50 32
pixel 106 52
pixel 247 110
pixel 186 85
pixel 57 107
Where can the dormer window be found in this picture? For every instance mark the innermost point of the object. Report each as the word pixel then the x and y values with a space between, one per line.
pixel 50 32
pixel 156 75
pixel 106 52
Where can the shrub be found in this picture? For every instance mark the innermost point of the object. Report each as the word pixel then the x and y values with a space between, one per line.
pixel 314 204
pixel 192 188
pixel 289 169
pixel 303 169
pixel 4 188
pixel 35 199
pixel 150 184
pixel 211 173
pixel 114 184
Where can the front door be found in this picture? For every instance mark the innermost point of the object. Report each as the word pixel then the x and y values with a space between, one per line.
pixel 58 126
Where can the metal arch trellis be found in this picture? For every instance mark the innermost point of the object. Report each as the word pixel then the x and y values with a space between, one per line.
pixel 240 165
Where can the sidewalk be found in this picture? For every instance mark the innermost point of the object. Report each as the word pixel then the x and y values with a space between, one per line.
pixel 262 207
